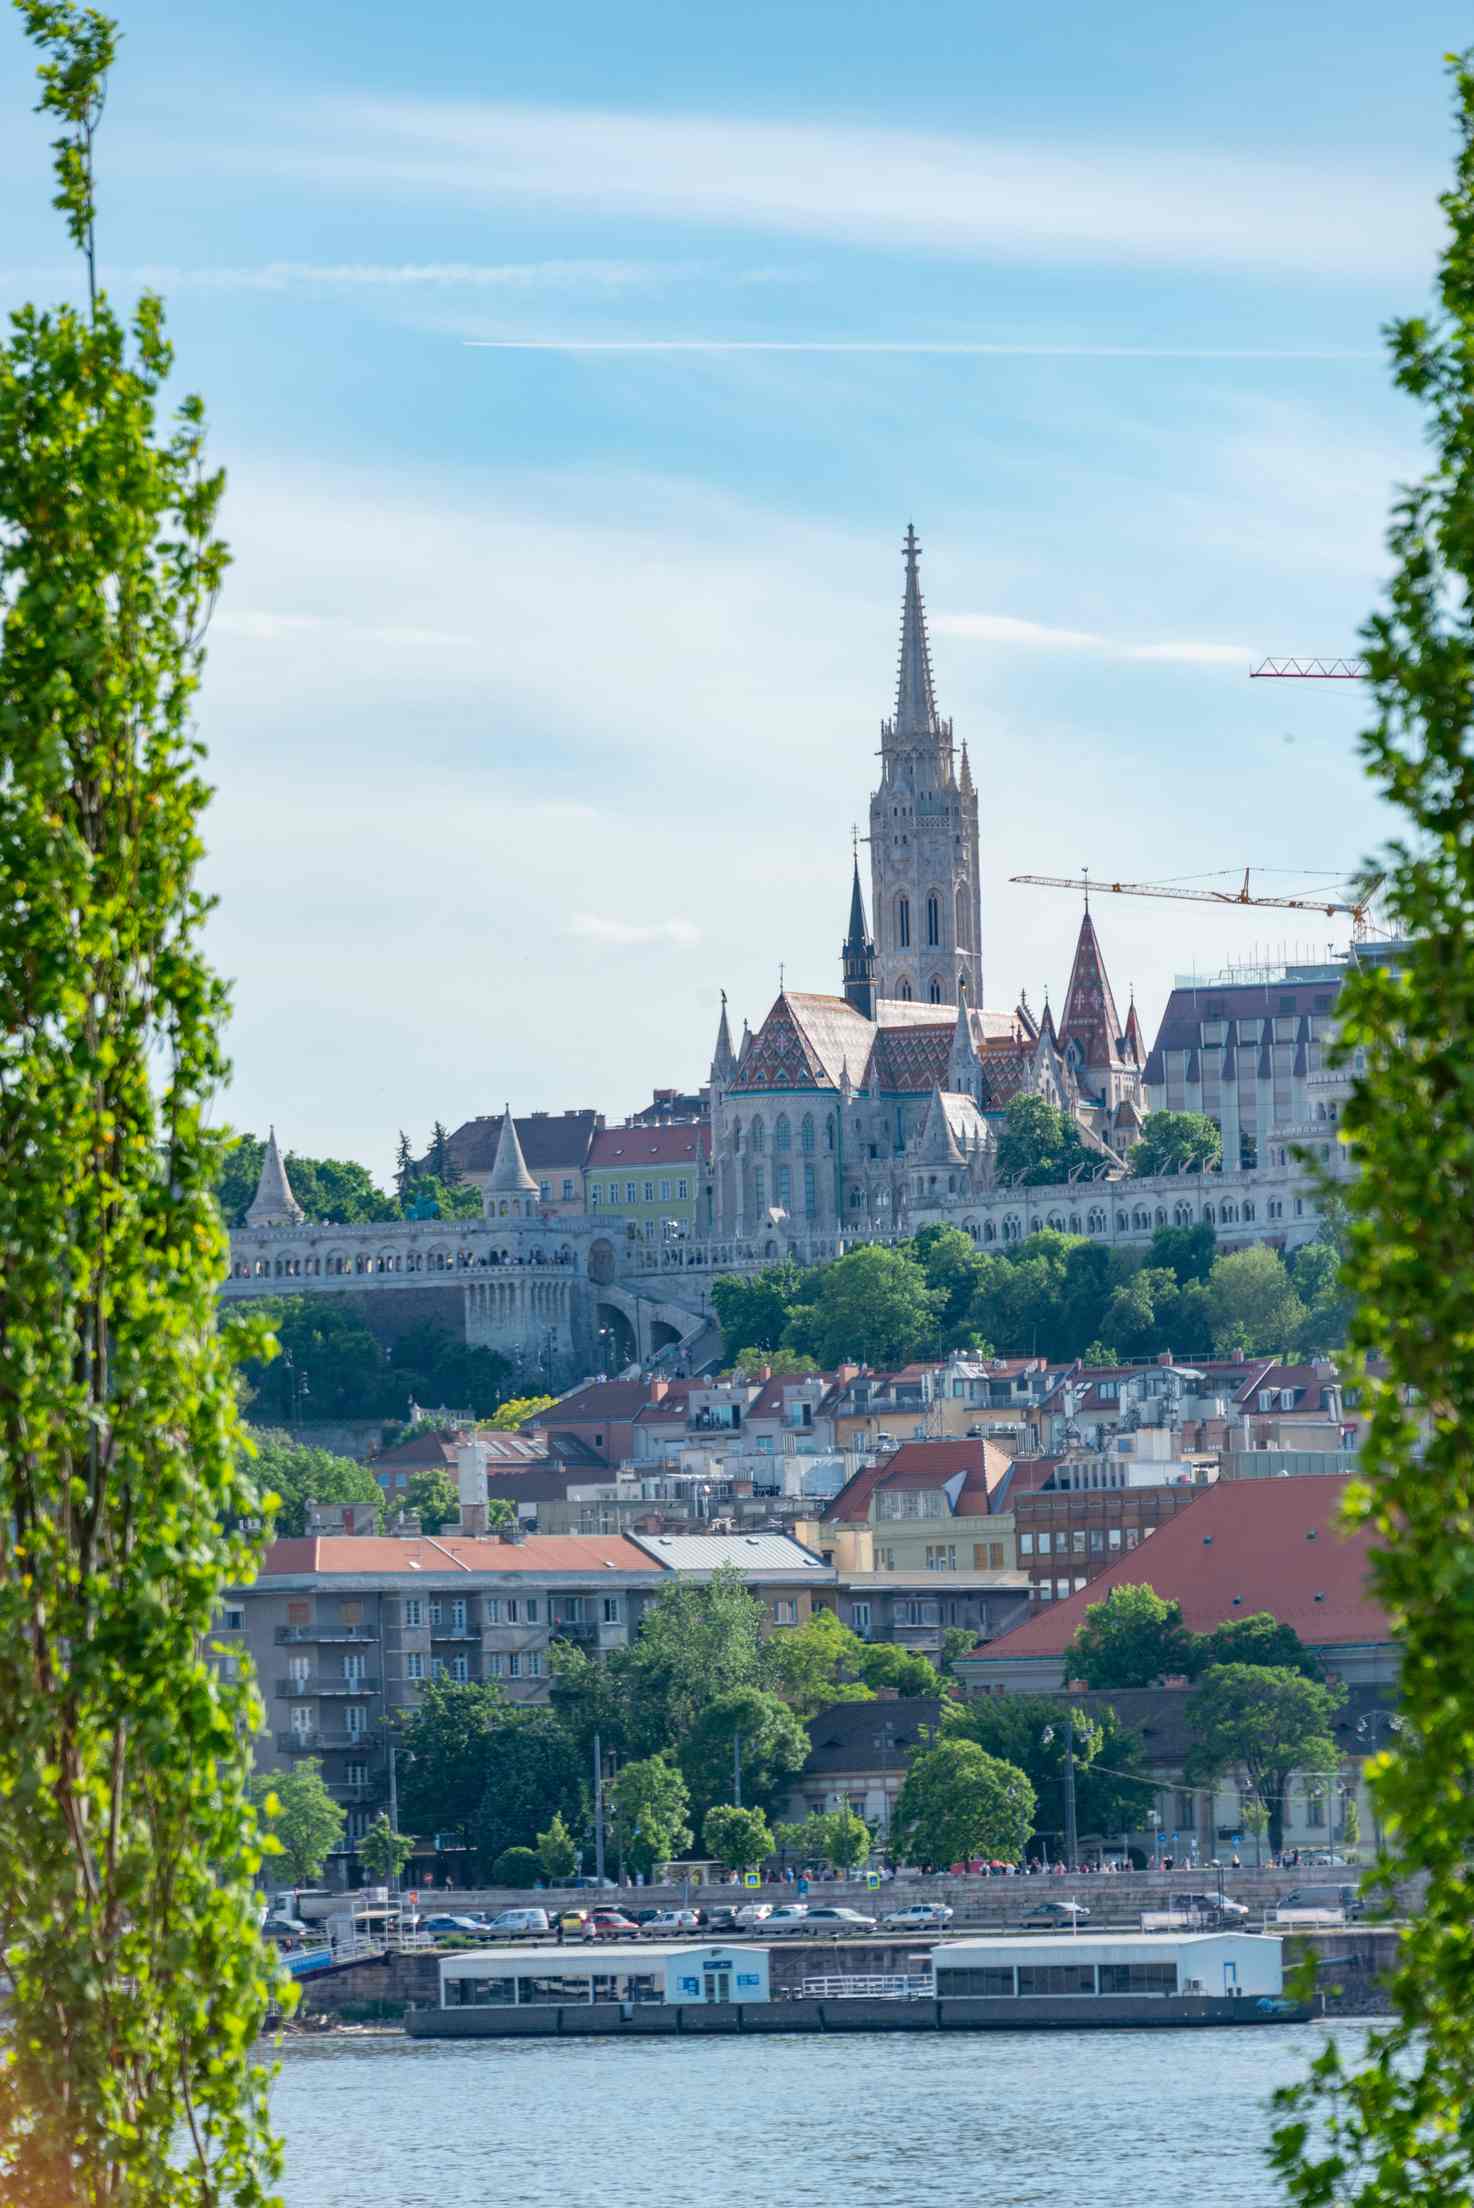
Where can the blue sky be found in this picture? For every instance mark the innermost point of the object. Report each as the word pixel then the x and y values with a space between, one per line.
pixel 577 371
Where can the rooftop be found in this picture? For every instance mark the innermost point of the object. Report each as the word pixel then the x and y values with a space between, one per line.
pixel 748 1552
pixel 376 1557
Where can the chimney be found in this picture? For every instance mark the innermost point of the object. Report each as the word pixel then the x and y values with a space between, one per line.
pixel 659 1390
pixel 513 1536
pixel 471 1486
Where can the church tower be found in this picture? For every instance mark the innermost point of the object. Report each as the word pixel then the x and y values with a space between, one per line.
pixel 858 954
pixel 926 892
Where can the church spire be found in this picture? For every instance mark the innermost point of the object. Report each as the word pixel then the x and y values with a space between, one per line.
pixel 724 1058
pixel 858 955
pixel 273 1204
pixel 916 705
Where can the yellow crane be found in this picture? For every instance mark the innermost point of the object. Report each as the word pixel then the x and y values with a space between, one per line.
pixel 1357 909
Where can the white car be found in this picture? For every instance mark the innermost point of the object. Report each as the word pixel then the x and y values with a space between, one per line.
pixel 754 1912
pixel 789 1916
pixel 827 1923
pixel 666 1922
pixel 922 1916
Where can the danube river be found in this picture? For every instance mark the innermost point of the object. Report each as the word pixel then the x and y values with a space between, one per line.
pixel 1112 2118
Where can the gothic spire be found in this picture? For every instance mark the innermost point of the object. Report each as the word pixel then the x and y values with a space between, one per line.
pixel 273 1204
pixel 724 1058
pixel 1090 1017
pixel 916 705
pixel 509 1174
pixel 857 957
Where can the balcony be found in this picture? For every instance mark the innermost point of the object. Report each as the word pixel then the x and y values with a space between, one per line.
pixel 322 1743
pixel 584 1632
pixel 287 1636
pixel 455 1632
pixel 303 1689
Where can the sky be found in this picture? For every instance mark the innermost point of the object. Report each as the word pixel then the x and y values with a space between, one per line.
pixel 577 371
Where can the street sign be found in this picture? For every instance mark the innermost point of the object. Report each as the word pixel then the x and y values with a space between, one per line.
pixel 752 1878
pixel 872 1880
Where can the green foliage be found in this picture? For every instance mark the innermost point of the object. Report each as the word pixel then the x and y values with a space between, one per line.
pixel 649 1813
pixel 516 1411
pixel 1132 1639
pixel 1351 1824
pixel 300 1814
pixel 754 1310
pixel 432 1198
pixel 332 1190
pixel 1176 1142
pixel 1264 1723
pixel 445 1756
pixel 1040 1143
pixel 816 1663
pixel 1316 1271
pixel 301 1475
pixel 1113 1787
pixel 332 1366
pixel 532 1772
pixel 1185 1252
pixel 128 1845
pixel 555 1850
pixel 774 1744
pixel 1252 1304
pixel 433 1497
pixel 695 1645
pixel 1259 1639
pixel 520 1867
pixel 383 1852
pixel 905 1671
pixel 957 1801
pixel 836 1836
pixel 957 1641
pixel 739 1838
pixel 871 1306
pixel 779 1364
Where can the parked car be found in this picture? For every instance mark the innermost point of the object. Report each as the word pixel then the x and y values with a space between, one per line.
pixel 751 1913
pixel 645 1916
pixel 284 1928
pixel 1217 1908
pixel 572 1922
pixel 1344 1898
pixel 789 1916
pixel 922 1916
pixel 1054 1916
pixel 520 1924
pixel 449 1924
pixel 666 1923
pixel 1324 1861
pixel 611 1924
pixel 827 1923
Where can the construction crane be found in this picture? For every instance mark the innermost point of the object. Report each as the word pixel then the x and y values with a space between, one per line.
pixel 1358 911
pixel 1309 670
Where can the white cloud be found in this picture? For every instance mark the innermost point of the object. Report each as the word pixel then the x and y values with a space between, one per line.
pixel 595 927
pixel 1005 628
pixel 261 627
pixel 989 197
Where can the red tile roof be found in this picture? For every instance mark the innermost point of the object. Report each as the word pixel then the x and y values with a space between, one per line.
pixel 637 1146
pixel 924 1465
pixel 1238 1547
pixel 601 1400
pixel 558 1552
pixel 547 1139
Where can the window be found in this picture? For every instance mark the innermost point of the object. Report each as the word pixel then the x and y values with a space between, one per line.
pixel 782 1133
pixel 611 1609
pixel 437 1667
pixel 356 1774
pixel 1035 1978
pixel 629 1192
pixel 903 923
pixel 995 1556
pixel 806 1133
pixel 759 1186
pixel 460 1669
pixel 1077 1540
pixel 783 1186
pixel 514 1609
pixel 665 1192
pixel 414 1612
pixel 811 1193
pixel 935 992
pixel 1113 1537
pixel 1061 1589
pixel 933 922
pixel 1026 1544
pixel 682 1191
pixel 1138 1978
pixel 355 1720
pixel 568 1192
pixel 414 1665
pixel 233 1621
pixel 860 1617
pixel 543 1190
pixel 534 1664
pixel 785 1610
pixel 1045 1543
pixel 991 1983
pixel 941 1557
pixel 493 1665
pixel 493 1610
pixel 530 1609
pixel 905 992
pixel 458 1617
pixel 649 1192
pixel 436 1614
pixel 514 1666
pixel 299 1613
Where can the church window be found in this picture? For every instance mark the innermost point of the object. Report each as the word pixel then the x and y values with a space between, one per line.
pixel 806 1133
pixel 905 992
pixel 783 1185
pixel 758 1136
pixel 903 923
pixel 933 921
pixel 935 992
pixel 854 1199
pixel 1248 1212
pixel 829 1132
pixel 782 1136
pixel 736 1134
pixel 990 1232
pixel 759 1187
pixel 811 1193
pixel 962 942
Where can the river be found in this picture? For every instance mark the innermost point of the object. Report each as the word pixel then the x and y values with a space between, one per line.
pixel 1115 2119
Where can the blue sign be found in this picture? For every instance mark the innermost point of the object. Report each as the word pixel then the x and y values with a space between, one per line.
pixel 690 1985
pixel 748 1978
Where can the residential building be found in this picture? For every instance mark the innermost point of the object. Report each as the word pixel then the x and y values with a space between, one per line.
pixel 858 1755
pixel 918 1609
pixel 649 1178
pixel 555 1146
pixel 929 1507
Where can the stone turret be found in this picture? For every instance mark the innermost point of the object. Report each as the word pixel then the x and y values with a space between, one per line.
pixel 273 1204
pixel 858 954
pixel 511 1192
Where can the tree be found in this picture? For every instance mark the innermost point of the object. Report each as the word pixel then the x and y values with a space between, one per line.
pixel 836 1836
pixel 432 1198
pixel 739 1838
pixel 383 1852
pixel 764 1731
pixel 957 1641
pixel 128 1845
pixel 1265 1723
pixel 517 1867
pixel 532 1773
pixel 1319 1280
pixel 778 1364
pixel 404 1167
pixel 1132 1639
pixel 1251 1303
pixel 1259 1638
pixel 332 1366
pixel 753 1310
pixel 1113 1786
pixel 555 1850
pixel 649 1813
pixel 816 1663
pixel 445 1755
pixel 300 1474
pixel 949 1259
pixel 958 1802
pixel 1177 1142
pixel 433 1497
pixel 904 1671
pixel 516 1412
pixel 696 1643
pixel 439 1159
pixel 1039 1143
pixel 1186 1252
pixel 872 1306
pixel 302 1817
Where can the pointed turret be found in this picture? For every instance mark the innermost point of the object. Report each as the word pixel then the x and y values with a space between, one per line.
pixel 1091 1023
pixel 858 955
pixel 1047 1031
pixel 724 1058
pixel 916 705
pixel 1135 1041
pixel 965 777
pixel 511 1184
pixel 273 1204
pixel 937 1144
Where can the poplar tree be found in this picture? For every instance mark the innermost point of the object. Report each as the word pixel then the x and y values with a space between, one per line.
pixel 128 1845
pixel 1396 2124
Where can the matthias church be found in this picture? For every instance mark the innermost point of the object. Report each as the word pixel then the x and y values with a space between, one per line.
pixel 863 1110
